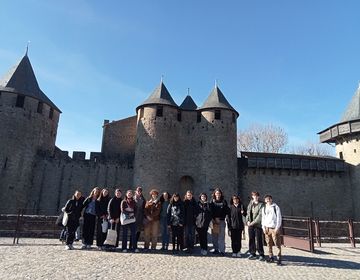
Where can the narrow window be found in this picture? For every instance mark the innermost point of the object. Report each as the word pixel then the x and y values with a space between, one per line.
pixel 40 107
pixel 141 113
pixel 20 100
pixel 51 113
pixel 341 155
pixel 179 116
pixel 159 111
pixel 198 117
pixel 217 115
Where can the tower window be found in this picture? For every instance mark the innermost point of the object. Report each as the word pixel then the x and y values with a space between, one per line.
pixel 40 107
pixel 179 116
pixel 159 111
pixel 141 113
pixel 341 155
pixel 198 119
pixel 20 100
pixel 217 115
pixel 51 113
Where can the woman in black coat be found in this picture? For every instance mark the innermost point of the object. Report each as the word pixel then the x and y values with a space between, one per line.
pixel 114 213
pixel 203 219
pixel 236 224
pixel 73 209
pixel 90 218
pixel 102 214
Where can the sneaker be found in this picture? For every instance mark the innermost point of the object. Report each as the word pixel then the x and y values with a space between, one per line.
pixel 83 247
pixel 71 247
pixel 262 258
pixel 137 251
pixel 124 251
pixel 215 252
pixel 270 260
pixel 238 255
pixel 252 257
pixel 279 262
pixel 234 255
pixel 67 247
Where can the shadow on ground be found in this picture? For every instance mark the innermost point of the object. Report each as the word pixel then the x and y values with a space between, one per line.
pixel 319 262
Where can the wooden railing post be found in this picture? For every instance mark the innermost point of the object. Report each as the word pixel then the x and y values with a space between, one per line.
pixel 17 228
pixel 351 233
pixel 311 234
pixel 317 232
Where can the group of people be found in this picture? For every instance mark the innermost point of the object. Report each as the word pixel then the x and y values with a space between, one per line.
pixel 180 217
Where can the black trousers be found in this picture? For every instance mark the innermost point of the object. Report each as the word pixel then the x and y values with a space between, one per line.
pixel 177 237
pixel 236 240
pixel 89 229
pixel 203 238
pixel 71 227
pixel 100 236
pixel 256 240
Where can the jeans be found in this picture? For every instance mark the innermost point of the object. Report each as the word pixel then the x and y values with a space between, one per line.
pixel 70 231
pixel 132 228
pixel 203 238
pixel 164 232
pixel 218 238
pixel 177 237
pixel 256 240
pixel 273 238
pixel 189 236
pixel 236 240
pixel 88 229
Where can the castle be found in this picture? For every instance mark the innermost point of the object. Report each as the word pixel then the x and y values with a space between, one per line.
pixel 170 147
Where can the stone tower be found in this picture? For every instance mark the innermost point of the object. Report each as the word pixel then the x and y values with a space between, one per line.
pixel 156 141
pixel 28 127
pixel 186 147
pixel 218 148
pixel 346 135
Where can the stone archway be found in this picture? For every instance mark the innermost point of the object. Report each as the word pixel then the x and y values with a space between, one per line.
pixel 185 183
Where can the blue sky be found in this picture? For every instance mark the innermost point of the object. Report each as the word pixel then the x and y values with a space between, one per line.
pixel 294 64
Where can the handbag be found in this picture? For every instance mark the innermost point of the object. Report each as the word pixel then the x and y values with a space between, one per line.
pixel 111 237
pixel 126 219
pixel 104 226
pixel 65 219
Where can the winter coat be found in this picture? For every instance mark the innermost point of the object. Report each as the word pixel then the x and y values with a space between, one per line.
pixel 73 208
pixel 219 209
pixel 129 208
pixel 203 216
pixel 235 217
pixel 271 216
pixel 114 208
pixel 190 212
pixel 175 213
pixel 140 205
pixel 152 209
pixel 101 206
pixel 254 213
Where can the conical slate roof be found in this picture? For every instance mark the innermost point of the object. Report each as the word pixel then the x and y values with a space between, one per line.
pixel 353 110
pixel 160 96
pixel 217 99
pixel 188 104
pixel 21 79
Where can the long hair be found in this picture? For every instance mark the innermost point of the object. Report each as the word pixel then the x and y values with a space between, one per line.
pixel 162 199
pixel 188 191
pixel 101 196
pixel 94 190
pixel 235 197
pixel 217 190
pixel 172 198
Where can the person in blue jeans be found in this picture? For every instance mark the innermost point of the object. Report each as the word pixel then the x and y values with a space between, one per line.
pixel 128 207
pixel 190 213
pixel 165 200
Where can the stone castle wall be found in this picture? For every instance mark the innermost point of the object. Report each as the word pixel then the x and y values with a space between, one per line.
pixel 54 180
pixel 119 138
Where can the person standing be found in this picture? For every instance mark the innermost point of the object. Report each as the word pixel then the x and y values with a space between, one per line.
pixel 219 209
pixel 235 224
pixel 175 216
pixel 140 205
pixel 152 219
pixel 271 223
pixel 253 221
pixel 90 218
pixel 128 207
pixel 102 214
pixel 73 209
pixel 190 210
pixel 114 213
pixel 202 222
pixel 165 199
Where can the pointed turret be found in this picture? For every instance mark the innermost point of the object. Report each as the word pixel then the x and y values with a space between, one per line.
pixel 352 111
pixel 21 79
pixel 217 100
pixel 188 104
pixel 160 96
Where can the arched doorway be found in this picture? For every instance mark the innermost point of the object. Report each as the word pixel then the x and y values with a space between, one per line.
pixel 186 183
